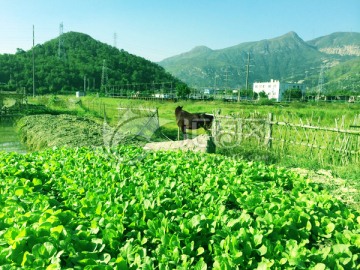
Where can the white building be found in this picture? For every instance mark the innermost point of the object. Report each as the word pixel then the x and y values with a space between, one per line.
pixel 276 89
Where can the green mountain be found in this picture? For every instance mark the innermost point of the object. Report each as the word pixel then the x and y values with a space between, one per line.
pixel 79 57
pixel 343 79
pixel 285 58
pixel 340 43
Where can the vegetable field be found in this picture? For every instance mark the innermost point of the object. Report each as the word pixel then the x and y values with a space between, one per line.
pixel 130 209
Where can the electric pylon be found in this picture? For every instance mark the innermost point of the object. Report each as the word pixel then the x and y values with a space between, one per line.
pixel 60 49
pixel 320 82
pixel 247 72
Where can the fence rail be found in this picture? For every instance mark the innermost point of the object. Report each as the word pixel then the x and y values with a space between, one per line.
pixel 329 144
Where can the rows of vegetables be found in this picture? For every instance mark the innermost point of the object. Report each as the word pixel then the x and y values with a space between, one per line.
pixel 126 208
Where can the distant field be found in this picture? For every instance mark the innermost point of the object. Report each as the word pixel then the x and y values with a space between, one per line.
pixel 326 112
pixel 319 114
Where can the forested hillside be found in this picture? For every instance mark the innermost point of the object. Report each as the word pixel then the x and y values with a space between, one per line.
pixel 344 79
pixel 79 57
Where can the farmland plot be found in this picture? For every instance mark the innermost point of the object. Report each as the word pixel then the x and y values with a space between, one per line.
pixel 130 209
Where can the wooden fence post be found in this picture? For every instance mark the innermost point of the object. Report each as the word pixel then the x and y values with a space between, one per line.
pixel 268 135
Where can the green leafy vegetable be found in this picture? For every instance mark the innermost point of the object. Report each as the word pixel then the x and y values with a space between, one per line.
pixel 129 209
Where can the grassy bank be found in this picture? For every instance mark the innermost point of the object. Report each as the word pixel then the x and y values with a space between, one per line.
pixel 46 131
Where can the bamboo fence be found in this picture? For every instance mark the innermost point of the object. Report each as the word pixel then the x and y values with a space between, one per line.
pixel 291 136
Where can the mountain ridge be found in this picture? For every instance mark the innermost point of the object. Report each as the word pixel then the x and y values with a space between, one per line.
pixel 286 57
pixel 334 43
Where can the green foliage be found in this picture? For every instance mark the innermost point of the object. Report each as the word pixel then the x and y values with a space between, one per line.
pixel 182 91
pixel 262 94
pixel 293 94
pixel 126 208
pixel 82 56
pixel 343 79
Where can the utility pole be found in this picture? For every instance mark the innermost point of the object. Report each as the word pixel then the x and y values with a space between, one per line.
pixel 247 74
pixel 33 60
pixel 238 93
pixel 104 77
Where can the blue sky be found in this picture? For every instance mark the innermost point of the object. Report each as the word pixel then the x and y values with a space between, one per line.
pixel 157 29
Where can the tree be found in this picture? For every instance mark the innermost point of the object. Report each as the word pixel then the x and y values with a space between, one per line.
pixel 262 94
pixel 292 93
pixel 182 90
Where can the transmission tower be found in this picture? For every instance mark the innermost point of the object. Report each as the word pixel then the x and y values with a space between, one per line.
pixel 320 82
pixel 60 50
pixel 115 40
pixel 247 72
pixel 104 78
pixel 226 75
